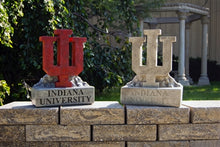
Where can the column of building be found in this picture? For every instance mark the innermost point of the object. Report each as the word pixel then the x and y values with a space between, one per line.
pixel 188 26
pixel 204 80
pixel 181 65
pixel 184 48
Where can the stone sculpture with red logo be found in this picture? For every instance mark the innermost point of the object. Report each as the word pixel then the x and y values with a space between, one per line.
pixel 62 85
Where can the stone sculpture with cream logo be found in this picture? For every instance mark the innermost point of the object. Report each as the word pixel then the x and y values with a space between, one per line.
pixel 152 84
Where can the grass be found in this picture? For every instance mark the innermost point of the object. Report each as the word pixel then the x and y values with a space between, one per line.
pixel 211 92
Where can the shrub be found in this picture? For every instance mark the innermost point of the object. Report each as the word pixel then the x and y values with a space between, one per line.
pixel 4 90
pixel 106 64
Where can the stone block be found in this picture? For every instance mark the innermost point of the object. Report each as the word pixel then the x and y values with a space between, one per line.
pixel 42 97
pixel 97 113
pixel 12 133
pixel 12 144
pixel 189 132
pixel 204 111
pixel 156 115
pixel 151 96
pixel 42 144
pixel 26 113
pixel 205 143
pixel 159 144
pixel 29 144
pixel 124 132
pixel 57 133
pixel 92 144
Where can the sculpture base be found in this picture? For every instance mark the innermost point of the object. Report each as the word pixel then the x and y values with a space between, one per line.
pixel 42 97
pixel 171 96
pixel 184 82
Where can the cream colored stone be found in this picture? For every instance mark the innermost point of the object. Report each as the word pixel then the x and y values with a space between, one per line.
pixel 57 133
pixel 105 112
pixel 150 73
pixel 157 115
pixel 92 144
pixel 124 132
pixel 159 144
pixel 204 111
pixel 12 133
pixel 151 96
pixel 140 90
pixel 189 132
pixel 26 113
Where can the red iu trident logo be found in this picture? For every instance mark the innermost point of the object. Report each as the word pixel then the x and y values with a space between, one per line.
pixel 64 69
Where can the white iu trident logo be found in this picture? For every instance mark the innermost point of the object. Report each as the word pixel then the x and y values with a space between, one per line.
pixel 149 74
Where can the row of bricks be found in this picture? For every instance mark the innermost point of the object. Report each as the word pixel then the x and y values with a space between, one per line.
pixel 204 143
pixel 22 113
pixel 111 132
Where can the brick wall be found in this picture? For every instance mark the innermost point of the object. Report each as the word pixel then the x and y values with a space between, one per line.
pixel 108 124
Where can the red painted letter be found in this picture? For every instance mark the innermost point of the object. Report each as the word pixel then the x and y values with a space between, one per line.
pixel 63 70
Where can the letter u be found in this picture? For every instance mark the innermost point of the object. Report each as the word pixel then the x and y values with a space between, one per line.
pixel 41 101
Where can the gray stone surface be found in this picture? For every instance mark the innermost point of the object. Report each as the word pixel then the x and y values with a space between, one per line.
pixel 26 113
pixel 48 81
pixel 151 96
pixel 62 96
pixel 189 132
pixel 44 93
pixel 161 81
pixel 124 132
pixel 103 112
pixel 204 111
pixel 157 115
pixel 57 133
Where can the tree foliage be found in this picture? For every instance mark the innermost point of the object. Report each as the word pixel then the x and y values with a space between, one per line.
pixel 4 90
pixel 105 23
pixel 9 11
